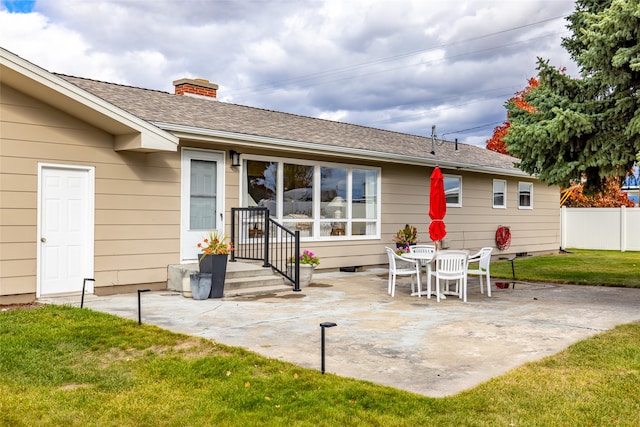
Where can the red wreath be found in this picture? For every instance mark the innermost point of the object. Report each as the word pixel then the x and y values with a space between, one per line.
pixel 503 237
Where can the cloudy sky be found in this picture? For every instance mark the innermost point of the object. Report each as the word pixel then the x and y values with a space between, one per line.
pixel 402 65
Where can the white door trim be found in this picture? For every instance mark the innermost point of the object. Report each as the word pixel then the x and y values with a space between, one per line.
pixel 187 154
pixel 89 232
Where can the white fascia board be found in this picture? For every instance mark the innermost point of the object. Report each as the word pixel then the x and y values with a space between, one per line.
pixel 152 138
pixel 238 139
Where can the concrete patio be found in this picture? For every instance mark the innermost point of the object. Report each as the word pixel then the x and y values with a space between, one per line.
pixel 410 343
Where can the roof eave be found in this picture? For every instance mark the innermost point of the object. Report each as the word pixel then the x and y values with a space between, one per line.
pixel 130 132
pixel 239 140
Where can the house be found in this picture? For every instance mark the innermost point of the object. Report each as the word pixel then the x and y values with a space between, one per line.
pixel 117 183
pixel 631 185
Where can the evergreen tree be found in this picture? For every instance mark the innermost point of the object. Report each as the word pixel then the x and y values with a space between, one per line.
pixel 589 126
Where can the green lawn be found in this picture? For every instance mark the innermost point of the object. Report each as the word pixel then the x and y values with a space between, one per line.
pixel 582 267
pixel 63 366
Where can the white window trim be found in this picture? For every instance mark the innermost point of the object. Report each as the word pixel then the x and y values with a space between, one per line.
pixel 504 195
pixel 316 199
pixel 530 184
pixel 459 204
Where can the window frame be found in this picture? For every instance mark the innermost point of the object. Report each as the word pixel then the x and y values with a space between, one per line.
pixel 504 194
pixel 317 220
pixel 530 185
pixel 459 178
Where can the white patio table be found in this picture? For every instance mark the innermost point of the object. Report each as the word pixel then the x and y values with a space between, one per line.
pixel 428 258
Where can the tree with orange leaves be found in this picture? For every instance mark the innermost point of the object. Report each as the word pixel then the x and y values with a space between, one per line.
pixel 496 143
pixel 610 197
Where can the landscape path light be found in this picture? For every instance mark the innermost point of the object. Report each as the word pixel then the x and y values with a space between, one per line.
pixel 324 325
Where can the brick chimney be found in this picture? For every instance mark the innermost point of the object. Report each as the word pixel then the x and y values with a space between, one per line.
pixel 195 87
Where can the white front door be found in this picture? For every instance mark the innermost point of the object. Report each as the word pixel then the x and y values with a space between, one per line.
pixel 65 229
pixel 202 199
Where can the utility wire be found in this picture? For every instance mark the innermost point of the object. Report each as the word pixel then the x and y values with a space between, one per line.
pixel 431 62
pixel 473 128
pixel 475 101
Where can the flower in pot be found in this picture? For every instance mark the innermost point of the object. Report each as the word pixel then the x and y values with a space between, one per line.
pixel 401 250
pixel 214 244
pixel 308 258
pixel 406 236
pixel 308 262
pixel 215 251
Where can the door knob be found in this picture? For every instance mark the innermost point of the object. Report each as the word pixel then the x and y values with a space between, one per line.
pixel 43 239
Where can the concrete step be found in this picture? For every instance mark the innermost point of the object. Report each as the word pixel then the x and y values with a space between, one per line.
pixel 241 279
pixel 254 291
pixel 253 282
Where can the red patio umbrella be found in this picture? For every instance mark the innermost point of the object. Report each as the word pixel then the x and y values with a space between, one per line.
pixel 437 206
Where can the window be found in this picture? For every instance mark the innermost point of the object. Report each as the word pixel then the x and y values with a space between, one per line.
pixel 297 197
pixel 453 190
pixel 364 202
pixel 525 195
pixel 320 201
pixel 260 185
pixel 203 195
pixel 333 201
pixel 499 193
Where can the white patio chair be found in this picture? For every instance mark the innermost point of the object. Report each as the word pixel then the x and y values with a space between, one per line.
pixel 483 258
pixel 412 269
pixel 424 249
pixel 451 265
pixel 428 249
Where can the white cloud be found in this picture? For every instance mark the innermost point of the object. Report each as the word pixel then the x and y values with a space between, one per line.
pixel 396 64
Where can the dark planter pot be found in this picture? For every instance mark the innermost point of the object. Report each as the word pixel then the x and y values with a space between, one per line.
pixel 217 266
pixel 200 285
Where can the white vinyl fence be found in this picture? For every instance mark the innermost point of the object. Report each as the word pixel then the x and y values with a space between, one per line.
pixel 600 228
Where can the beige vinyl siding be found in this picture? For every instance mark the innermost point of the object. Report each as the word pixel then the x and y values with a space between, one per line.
pixel 405 199
pixel 474 224
pixel 405 193
pixel 137 215
pixel 137 197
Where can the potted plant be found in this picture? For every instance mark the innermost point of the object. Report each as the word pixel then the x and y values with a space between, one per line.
pixel 406 237
pixel 213 260
pixel 308 263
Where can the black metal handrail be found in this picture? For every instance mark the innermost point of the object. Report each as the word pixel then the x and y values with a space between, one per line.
pixel 256 236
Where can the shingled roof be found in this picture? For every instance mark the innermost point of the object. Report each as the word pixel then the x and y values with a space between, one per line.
pixel 168 110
